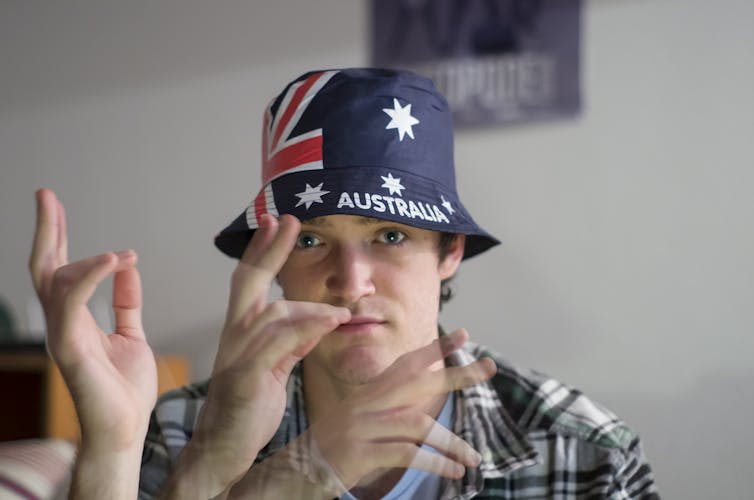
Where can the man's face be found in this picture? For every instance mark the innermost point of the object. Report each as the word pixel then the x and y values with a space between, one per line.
pixel 387 274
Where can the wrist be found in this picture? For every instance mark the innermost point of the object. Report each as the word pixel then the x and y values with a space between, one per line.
pixel 106 473
pixel 204 470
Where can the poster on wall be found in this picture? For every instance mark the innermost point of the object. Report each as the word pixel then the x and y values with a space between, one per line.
pixel 498 62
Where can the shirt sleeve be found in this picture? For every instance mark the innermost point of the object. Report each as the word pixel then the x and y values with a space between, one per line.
pixel 171 426
pixel 155 463
pixel 634 479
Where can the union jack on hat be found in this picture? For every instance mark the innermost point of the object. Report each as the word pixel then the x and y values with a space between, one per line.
pixel 370 142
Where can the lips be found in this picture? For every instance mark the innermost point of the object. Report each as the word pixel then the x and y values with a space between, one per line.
pixel 361 324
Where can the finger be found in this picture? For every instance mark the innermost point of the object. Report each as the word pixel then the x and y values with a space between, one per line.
pixel 45 256
pixel 278 318
pixel 263 236
pixel 262 260
pixel 435 383
pixel 413 362
pixel 75 283
pixel 282 311
pixel 72 287
pixel 62 243
pixel 411 456
pixel 446 442
pixel 293 337
pixel 127 300
pixel 417 427
pixel 238 304
pixel 273 259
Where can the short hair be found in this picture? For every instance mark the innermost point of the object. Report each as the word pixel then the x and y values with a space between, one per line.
pixel 446 291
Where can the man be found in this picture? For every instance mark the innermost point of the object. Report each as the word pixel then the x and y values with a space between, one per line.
pixel 346 387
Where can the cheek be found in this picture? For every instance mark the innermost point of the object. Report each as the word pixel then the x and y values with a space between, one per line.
pixel 297 284
pixel 418 293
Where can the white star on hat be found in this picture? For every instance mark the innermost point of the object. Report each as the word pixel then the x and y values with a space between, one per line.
pixel 311 195
pixel 401 119
pixel 447 205
pixel 393 184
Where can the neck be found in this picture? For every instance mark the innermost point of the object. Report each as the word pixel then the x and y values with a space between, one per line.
pixel 322 394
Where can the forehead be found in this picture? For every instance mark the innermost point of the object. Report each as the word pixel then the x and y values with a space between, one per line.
pixel 334 221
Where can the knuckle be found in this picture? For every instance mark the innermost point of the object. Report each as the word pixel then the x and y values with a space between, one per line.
pixel 464 378
pixel 407 452
pixel 407 362
pixel 413 420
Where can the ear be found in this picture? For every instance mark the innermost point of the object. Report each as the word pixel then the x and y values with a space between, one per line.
pixel 447 268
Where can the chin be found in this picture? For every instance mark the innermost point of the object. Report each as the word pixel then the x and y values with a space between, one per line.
pixel 358 367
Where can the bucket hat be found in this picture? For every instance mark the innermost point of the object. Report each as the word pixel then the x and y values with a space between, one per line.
pixel 359 141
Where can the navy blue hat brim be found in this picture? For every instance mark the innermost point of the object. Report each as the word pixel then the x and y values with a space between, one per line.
pixel 232 241
pixel 376 192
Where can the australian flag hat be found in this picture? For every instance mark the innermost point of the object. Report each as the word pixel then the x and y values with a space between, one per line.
pixel 371 142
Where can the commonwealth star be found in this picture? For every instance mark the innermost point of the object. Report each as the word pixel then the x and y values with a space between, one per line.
pixel 311 195
pixel 400 118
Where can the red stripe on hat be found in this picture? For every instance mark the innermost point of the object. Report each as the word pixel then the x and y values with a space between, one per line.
pixel 260 205
pixel 293 106
pixel 295 155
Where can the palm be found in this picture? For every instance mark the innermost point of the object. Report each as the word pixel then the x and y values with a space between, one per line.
pixel 112 378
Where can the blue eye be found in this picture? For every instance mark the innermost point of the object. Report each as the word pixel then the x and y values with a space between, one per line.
pixel 307 240
pixel 391 237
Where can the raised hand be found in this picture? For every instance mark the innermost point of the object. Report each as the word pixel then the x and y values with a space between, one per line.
pixel 379 427
pixel 112 377
pixel 260 344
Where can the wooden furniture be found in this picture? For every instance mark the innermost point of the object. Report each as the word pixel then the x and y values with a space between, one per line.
pixel 36 402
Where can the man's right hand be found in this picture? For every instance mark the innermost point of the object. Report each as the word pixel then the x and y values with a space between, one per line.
pixel 260 344
pixel 384 424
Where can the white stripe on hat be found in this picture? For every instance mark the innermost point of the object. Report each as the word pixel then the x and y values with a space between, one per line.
pixel 269 208
pixel 315 88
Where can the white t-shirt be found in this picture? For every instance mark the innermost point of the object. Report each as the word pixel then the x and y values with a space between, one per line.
pixel 418 483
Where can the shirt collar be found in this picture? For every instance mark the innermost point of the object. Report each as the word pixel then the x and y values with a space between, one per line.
pixel 482 421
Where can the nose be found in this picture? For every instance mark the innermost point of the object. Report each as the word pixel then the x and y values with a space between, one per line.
pixel 350 275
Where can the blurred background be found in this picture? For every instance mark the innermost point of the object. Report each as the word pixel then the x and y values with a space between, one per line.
pixel 627 268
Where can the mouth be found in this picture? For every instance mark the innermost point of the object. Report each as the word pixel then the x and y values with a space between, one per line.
pixel 360 325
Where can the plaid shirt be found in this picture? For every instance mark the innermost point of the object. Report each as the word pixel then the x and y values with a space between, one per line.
pixel 538 438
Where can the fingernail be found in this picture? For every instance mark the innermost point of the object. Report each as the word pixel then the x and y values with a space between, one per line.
pixel 459 470
pixel 475 458
pixel 288 220
pixel 122 254
pixel 450 340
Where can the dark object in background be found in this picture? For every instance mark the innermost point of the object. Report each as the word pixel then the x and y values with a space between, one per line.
pixel 7 322
pixel 497 62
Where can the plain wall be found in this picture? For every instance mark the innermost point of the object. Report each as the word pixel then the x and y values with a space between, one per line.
pixel 626 268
